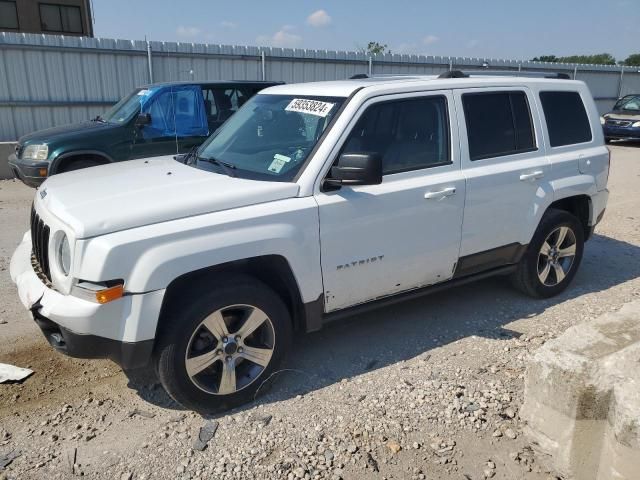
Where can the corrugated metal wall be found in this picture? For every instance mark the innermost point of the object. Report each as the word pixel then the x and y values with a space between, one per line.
pixel 48 80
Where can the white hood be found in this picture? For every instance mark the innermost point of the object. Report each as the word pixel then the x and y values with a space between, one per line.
pixel 131 194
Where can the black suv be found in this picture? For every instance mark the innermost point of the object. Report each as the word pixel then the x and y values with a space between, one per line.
pixel 158 119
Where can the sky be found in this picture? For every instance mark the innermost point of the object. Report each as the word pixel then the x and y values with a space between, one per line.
pixel 492 29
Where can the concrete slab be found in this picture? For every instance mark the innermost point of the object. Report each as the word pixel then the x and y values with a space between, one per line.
pixel 582 398
pixel 6 149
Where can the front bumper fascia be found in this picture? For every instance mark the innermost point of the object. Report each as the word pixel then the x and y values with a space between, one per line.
pixel 129 355
pixel 621 133
pixel 28 171
pixel 119 330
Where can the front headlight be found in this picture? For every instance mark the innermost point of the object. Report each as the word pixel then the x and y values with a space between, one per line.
pixel 36 152
pixel 636 125
pixel 64 255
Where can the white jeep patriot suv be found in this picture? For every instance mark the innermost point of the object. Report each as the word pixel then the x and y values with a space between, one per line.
pixel 313 201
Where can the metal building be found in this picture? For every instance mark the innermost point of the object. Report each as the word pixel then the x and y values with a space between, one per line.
pixel 57 17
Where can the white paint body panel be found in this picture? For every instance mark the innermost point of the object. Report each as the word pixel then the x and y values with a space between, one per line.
pixel 150 257
pixel 125 195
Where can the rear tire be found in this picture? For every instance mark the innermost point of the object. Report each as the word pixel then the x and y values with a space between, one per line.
pixel 553 256
pixel 218 346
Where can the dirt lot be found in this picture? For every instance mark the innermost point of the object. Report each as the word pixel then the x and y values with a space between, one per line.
pixel 427 389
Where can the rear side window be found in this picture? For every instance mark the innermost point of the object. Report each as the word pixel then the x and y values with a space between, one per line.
pixel 566 117
pixel 498 123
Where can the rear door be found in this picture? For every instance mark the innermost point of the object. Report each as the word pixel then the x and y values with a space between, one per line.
pixel 377 240
pixel 507 174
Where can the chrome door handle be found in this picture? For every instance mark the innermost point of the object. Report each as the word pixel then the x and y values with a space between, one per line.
pixel 447 192
pixel 531 176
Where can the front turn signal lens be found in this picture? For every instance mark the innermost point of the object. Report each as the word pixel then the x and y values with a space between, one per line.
pixel 110 294
pixel 42 172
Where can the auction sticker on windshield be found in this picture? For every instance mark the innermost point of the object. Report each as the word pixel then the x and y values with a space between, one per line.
pixel 312 107
pixel 279 161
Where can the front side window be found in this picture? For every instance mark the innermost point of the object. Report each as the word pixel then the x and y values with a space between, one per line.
pixel 269 138
pixel 567 119
pixel 175 111
pixel 498 123
pixel 8 14
pixel 60 18
pixel 409 134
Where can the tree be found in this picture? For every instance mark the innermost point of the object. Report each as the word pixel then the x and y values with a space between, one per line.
pixel 597 59
pixel 545 58
pixel 375 48
pixel 632 60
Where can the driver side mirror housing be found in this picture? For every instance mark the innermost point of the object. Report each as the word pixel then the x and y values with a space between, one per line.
pixel 362 168
pixel 143 119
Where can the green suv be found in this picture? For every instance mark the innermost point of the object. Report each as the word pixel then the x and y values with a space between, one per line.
pixel 153 120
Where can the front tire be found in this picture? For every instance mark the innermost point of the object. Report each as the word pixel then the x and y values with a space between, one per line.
pixel 553 256
pixel 217 348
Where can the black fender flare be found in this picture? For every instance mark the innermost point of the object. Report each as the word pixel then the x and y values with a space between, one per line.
pixel 55 163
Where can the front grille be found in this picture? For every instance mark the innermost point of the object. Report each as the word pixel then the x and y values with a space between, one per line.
pixel 40 245
pixel 618 123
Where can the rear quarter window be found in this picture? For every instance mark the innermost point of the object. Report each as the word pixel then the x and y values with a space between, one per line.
pixel 567 119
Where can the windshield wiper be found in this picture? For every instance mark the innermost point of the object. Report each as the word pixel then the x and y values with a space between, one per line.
pixel 227 167
pixel 98 119
pixel 185 157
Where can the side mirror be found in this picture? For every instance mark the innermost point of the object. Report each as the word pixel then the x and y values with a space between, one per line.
pixel 143 119
pixel 357 169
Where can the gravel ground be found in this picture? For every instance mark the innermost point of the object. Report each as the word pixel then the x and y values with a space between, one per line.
pixel 429 389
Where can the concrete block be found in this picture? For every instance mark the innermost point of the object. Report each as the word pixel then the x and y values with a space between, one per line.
pixel 6 149
pixel 582 398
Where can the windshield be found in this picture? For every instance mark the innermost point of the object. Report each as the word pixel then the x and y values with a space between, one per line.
pixel 125 109
pixel 630 102
pixel 269 138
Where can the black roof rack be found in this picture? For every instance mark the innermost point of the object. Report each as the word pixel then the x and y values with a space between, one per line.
pixel 453 74
pixel 503 73
pixel 469 73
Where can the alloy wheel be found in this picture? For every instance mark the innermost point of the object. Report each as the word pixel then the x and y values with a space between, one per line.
pixel 230 349
pixel 556 256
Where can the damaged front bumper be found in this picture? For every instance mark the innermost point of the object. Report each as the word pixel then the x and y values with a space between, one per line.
pixel 84 329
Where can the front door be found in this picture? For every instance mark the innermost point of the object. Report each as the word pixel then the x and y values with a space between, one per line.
pixel 178 122
pixel 403 234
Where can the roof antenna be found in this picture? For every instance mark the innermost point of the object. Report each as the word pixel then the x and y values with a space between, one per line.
pixel 175 127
